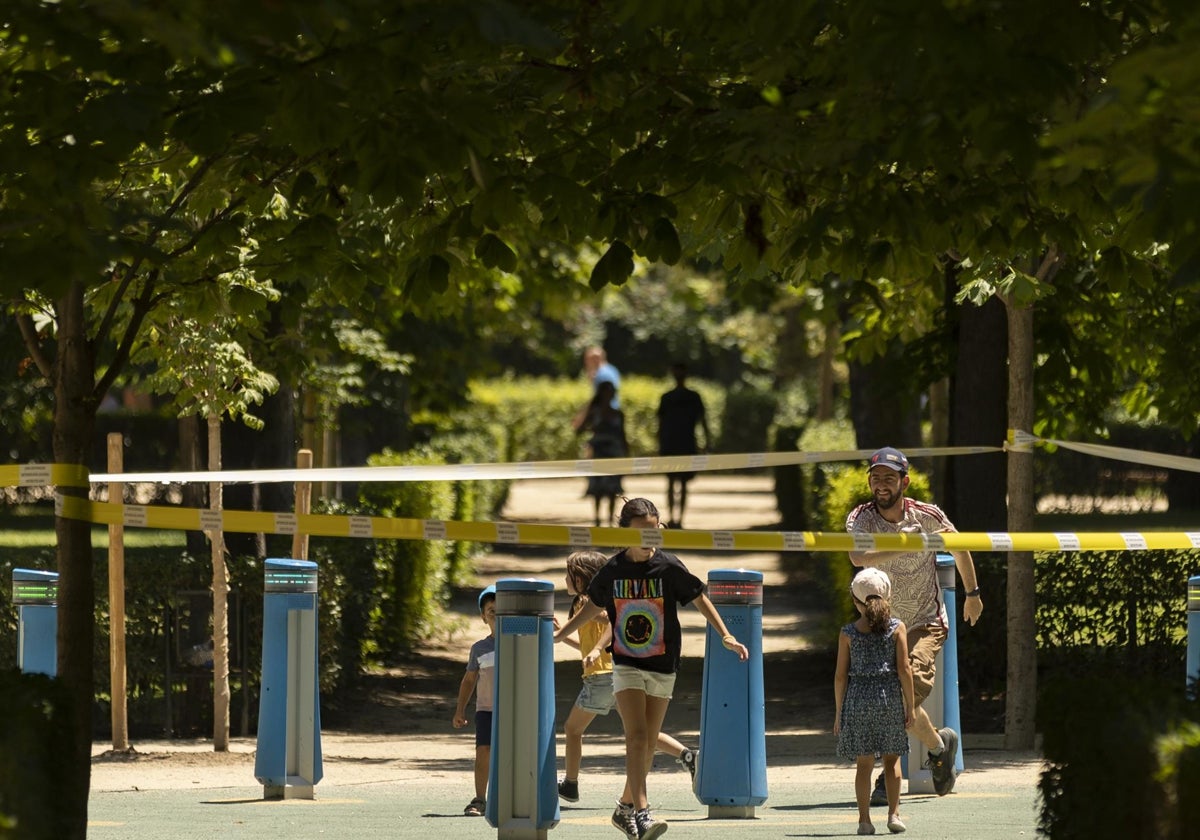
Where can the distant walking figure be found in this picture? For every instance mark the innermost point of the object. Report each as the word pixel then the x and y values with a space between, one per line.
pixel 607 425
pixel 679 412
pixel 599 369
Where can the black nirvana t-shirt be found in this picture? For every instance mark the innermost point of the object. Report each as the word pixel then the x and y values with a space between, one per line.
pixel 642 600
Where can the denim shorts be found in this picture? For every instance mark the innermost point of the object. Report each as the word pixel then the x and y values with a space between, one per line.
pixel 596 696
pixel 651 682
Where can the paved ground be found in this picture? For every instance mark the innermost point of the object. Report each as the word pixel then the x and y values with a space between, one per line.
pixel 376 788
pixel 412 780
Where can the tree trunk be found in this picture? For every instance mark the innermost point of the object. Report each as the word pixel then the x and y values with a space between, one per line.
pixel 884 406
pixel 974 495
pixel 826 397
pixel 74 419
pixel 1021 696
pixel 220 590
pixel 191 459
pixel 273 447
pixel 939 434
pixel 975 498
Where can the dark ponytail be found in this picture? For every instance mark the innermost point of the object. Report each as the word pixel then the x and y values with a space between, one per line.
pixel 879 614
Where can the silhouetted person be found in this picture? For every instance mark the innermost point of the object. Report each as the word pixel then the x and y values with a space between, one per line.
pixel 679 412
pixel 607 425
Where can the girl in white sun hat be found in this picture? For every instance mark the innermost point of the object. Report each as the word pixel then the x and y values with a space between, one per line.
pixel 873 694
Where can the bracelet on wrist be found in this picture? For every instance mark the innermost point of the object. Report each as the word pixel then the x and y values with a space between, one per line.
pixel 974 593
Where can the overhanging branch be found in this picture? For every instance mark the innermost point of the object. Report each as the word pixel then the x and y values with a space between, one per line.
pixel 34 345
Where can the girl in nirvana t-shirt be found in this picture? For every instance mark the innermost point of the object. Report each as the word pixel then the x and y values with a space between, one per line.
pixel 641 589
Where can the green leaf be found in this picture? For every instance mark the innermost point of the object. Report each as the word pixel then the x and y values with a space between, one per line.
pixel 428 277
pixel 439 274
pixel 880 259
pixel 614 268
pixel 667 240
pixel 499 206
pixel 494 252
pixel 1112 269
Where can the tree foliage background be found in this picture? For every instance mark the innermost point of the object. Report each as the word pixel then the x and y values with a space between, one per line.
pixel 392 166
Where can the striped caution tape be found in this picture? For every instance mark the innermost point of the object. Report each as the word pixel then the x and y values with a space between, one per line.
pixel 1019 440
pixel 578 468
pixel 376 527
pixel 43 475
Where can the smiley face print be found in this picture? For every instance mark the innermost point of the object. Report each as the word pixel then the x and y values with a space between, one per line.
pixel 639 628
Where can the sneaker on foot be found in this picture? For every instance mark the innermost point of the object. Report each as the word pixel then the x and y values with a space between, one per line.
pixel 879 794
pixel 866 828
pixel 568 790
pixel 687 758
pixel 624 821
pixel 941 766
pixel 648 827
pixel 895 825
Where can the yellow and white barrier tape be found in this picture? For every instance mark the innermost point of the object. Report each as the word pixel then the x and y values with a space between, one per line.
pixel 75 475
pixel 43 475
pixel 1019 440
pixel 581 467
pixel 375 527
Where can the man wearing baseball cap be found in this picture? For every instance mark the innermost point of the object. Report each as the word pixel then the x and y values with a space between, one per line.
pixel 916 597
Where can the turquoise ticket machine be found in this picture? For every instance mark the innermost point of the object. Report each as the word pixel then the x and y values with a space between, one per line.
pixel 35 595
pixel 288 762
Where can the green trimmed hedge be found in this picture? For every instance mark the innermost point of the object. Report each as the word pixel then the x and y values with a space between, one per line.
pixel 1122 755
pixel 532 417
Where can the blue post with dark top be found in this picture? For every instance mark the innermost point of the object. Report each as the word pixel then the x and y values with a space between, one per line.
pixel 35 595
pixel 947 673
pixel 522 797
pixel 1193 635
pixel 942 704
pixel 288 760
pixel 731 769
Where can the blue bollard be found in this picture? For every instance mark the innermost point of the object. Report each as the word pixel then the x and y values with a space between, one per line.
pixel 731 770
pixel 288 760
pixel 35 594
pixel 948 666
pixel 522 799
pixel 1193 635
pixel 942 705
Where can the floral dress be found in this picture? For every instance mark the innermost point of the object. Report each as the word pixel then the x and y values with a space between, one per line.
pixel 873 708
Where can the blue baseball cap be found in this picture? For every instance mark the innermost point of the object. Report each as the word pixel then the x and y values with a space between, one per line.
pixel 489 590
pixel 888 457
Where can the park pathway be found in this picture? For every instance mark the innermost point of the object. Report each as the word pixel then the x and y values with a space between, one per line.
pixel 395 768
pixel 716 501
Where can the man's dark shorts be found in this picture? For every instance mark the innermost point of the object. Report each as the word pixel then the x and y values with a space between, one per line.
pixel 483 729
